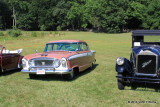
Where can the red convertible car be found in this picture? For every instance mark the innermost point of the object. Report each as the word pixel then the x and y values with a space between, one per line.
pixel 63 57
pixel 10 60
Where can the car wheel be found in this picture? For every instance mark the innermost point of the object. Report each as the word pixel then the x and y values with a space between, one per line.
pixel 32 76
pixel 92 66
pixel 70 76
pixel 133 87
pixel 121 85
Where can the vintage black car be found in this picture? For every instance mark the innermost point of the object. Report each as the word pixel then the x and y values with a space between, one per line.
pixel 143 68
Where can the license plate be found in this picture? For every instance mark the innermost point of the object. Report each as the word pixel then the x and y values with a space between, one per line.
pixel 42 72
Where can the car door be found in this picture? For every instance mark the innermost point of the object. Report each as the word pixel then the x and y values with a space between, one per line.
pixel 15 60
pixel 6 61
pixel 10 61
pixel 90 54
pixel 84 56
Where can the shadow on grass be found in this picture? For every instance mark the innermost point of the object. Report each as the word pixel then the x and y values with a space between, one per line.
pixel 85 72
pixel 145 89
pixel 56 77
pixel 6 73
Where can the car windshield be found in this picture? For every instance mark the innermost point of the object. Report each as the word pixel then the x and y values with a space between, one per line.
pixel 62 47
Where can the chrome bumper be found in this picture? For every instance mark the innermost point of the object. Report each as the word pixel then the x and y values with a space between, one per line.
pixel 68 71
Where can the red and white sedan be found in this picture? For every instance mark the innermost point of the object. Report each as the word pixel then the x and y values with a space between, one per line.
pixel 60 57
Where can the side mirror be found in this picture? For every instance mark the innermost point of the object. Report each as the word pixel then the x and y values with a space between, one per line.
pixel 36 51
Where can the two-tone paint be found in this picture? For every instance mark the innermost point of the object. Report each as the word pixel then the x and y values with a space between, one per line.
pixel 79 59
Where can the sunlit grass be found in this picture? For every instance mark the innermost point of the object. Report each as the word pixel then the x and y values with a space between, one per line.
pixel 151 38
pixel 96 88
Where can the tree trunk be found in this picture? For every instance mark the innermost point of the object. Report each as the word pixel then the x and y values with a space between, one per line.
pixel 14 19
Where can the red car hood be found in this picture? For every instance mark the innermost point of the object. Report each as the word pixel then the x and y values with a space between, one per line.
pixel 53 54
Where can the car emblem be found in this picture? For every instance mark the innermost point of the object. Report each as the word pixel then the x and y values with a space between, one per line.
pixel 146 63
pixel 43 63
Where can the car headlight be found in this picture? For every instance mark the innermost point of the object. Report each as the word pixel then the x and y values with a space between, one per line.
pixel 25 63
pixel 56 63
pixel 64 62
pixel 120 60
pixel 31 63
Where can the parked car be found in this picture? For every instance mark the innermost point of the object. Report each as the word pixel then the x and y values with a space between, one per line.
pixel 10 60
pixel 65 57
pixel 143 68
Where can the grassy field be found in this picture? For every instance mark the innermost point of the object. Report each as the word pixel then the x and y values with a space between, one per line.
pixel 96 88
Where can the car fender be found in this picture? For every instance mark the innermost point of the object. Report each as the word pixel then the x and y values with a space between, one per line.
pixel 125 68
pixel 75 66
pixel 20 61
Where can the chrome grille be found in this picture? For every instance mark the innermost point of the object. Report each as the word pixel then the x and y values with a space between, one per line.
pixel 43 62
pixel 147 64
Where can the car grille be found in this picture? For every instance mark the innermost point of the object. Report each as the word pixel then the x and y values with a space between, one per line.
pixel 43 62
pixel 146 64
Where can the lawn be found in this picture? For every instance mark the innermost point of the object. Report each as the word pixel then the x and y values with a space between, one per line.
pixel 95 88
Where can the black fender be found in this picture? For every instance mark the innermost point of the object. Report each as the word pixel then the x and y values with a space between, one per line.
pixel 126 68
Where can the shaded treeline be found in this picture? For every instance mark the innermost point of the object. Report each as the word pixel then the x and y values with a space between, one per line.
pixel 99 15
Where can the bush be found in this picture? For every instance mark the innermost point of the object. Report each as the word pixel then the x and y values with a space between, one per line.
pixel 1 34
pixel 34 34
pixel 59 28
pixel 56 32
pixel 43 28
pixel 14 33
pixel 50 32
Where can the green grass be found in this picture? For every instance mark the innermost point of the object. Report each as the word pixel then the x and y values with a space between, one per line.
pixel 151 39
pixel 96 88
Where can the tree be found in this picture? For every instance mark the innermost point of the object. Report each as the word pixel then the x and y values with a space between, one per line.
pixel 151 20
pixel 5 15
pixel 94 11
pixel 136 13
pixel 13 6
pixel 76 15
pixel 101 15
pixel 113 15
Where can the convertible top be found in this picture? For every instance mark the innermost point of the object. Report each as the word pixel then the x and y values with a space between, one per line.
pixel 146 33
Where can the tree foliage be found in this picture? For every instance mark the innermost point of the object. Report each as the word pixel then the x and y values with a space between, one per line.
pixel 5 15
pixel 101 15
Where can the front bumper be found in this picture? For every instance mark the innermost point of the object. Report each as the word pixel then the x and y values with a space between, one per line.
pixel 141 79
pixel 67 71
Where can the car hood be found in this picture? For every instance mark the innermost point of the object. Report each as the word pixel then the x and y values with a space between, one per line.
pixel 53 54
pixel 154 49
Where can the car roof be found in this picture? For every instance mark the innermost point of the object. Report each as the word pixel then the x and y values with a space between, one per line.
pixel 146 33
pixel 57 41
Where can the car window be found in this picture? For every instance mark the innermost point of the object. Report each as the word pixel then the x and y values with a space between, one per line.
pixel 62 47
pixel 80 46
pixel 85 47
pixel 68 46
pixel 50 47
